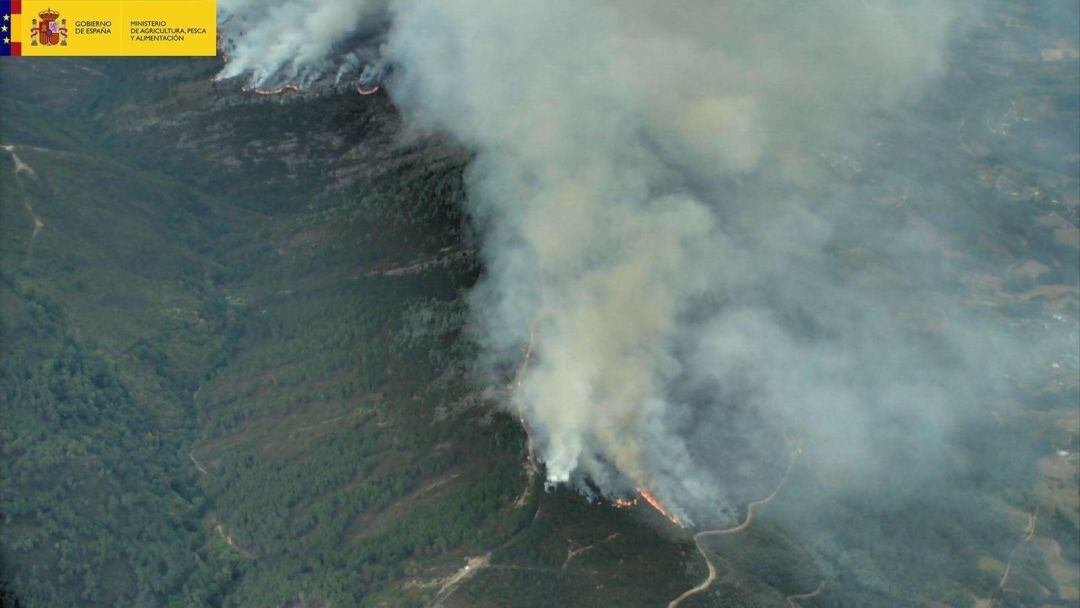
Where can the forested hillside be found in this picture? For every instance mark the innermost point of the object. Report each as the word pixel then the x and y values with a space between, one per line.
pixel 237 368
pixel 236 362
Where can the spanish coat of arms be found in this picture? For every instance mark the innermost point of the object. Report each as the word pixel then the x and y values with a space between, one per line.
pixel 48 31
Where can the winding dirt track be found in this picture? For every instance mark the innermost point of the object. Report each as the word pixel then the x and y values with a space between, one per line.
pixel 703 585
pixel 793 600
pixel 469 570
pixel 571 552
pixel 21 168
pixel 1029 531
pixel 476 564
pixel 202 470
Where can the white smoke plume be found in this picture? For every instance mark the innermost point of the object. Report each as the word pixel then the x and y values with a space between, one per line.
pixel 666 197
pixel 605 132
pixel 290 40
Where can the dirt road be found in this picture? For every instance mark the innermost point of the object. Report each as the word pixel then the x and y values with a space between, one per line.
pixel 711 578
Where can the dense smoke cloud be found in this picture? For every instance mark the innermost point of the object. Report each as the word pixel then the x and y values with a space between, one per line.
pixel 673 216
pixel 290 40
pixel 608 136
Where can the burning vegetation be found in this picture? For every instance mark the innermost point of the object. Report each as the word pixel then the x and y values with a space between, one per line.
pixel 656 504
pixel 287 88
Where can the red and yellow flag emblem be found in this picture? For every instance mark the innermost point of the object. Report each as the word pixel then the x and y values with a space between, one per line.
pixel 108 27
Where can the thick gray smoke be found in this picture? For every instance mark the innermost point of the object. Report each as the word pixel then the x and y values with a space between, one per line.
pixel 290 40
pixel 608 134
pixel 673 215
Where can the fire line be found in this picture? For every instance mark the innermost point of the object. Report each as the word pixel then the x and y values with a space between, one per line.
pixel 656 504
pixel 288 88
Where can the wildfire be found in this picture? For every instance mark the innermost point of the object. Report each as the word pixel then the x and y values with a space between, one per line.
pixel 518 377
pixel 620 503
pixel 656 504
pixel 294 88
pixel 361 90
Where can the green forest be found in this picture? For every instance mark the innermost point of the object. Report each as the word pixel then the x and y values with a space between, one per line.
pixel 238 368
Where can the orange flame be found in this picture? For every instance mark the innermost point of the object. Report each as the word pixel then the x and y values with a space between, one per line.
pixel 370 91
pixel 295 88
pixel 624 503
pixel 656 504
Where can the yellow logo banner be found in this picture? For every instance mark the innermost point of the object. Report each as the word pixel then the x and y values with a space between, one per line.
pixel 109 27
